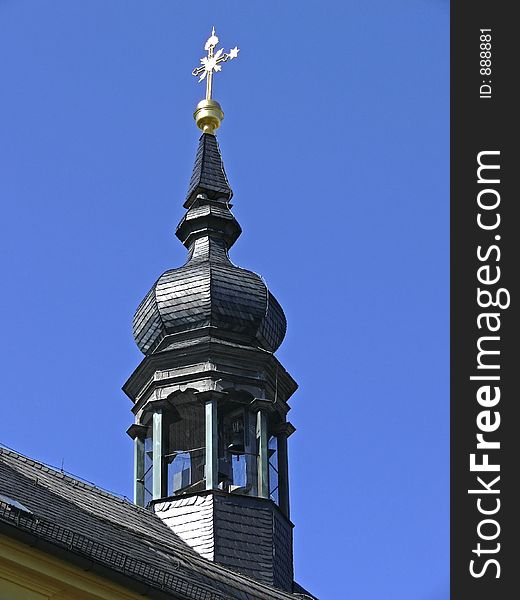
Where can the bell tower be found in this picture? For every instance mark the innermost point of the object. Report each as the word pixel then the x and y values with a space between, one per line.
pixel 210 397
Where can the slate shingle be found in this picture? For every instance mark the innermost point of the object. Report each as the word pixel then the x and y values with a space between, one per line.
pixel 209 290
pixel 113 532
pixel 208 175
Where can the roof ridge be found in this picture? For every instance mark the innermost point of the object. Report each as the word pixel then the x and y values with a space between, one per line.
pixel 88 485
pixel 76 479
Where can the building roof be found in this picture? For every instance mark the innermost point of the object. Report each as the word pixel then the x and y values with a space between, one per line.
pixel 209 290
pixel 209 175
pixel 78 521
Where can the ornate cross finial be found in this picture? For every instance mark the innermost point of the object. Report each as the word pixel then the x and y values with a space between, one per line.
pixel 211 63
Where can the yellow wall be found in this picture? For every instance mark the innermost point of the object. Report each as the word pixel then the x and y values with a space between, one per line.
pixel 29 574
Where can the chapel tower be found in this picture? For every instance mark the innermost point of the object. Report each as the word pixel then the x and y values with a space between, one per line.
pixel 210 397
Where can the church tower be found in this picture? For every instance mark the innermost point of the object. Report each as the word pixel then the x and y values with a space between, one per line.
pixel 210 397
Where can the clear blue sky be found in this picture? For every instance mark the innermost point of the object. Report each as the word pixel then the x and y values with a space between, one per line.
pixel 336 145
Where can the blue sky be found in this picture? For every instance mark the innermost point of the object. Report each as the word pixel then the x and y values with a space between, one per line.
pixel 336 144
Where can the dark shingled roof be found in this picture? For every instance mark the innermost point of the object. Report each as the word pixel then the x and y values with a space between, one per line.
pixel 209 290
pixel 208 174
pixel 78 521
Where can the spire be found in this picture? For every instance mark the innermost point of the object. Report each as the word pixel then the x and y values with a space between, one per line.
pixel 208 290
pixel 209 218
pixel 209 176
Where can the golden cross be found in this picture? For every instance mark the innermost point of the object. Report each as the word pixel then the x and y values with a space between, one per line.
pixel 211 63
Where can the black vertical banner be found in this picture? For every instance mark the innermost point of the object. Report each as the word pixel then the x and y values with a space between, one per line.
pixel 485 342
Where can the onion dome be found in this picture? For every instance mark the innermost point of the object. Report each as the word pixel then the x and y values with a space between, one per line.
pixel 209 291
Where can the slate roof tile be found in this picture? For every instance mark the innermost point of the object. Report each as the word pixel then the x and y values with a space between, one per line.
pixel 113 532
pixel 208 174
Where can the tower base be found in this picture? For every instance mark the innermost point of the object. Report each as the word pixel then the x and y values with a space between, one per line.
pixel 247 534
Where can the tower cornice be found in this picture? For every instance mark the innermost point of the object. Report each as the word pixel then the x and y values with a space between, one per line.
pixel 209 359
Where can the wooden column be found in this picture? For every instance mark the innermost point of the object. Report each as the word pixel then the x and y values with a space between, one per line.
pixel 157 454
pixel 283 474
pixel 211 444
pixel 282 432
pixel 263 457
pixel 138 471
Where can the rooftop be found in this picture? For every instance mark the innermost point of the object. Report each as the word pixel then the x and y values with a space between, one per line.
pixel 77 521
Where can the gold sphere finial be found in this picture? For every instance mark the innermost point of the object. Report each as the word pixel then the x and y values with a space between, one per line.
pixel 208 113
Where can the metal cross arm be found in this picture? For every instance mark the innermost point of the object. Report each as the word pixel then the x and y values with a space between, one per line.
pixel 211 63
